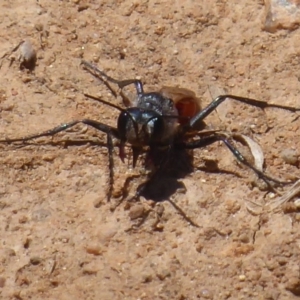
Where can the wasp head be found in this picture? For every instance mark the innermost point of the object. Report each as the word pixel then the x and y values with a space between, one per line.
pixel 140 127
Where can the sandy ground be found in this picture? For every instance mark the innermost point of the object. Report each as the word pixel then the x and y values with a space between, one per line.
pixel 60 238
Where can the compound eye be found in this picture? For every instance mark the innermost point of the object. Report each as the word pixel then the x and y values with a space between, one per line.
pixel 123 120
pixel 157 129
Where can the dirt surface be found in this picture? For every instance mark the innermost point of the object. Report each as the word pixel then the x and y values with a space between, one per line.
pixel 60 238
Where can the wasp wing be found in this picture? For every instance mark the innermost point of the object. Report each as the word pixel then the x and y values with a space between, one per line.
pixel 186 102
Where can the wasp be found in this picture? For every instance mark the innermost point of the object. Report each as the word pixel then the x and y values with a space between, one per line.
pixel 158 123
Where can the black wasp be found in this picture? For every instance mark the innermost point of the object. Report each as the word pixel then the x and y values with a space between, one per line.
pixel 158 122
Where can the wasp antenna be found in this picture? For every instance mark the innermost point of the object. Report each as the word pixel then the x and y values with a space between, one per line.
pixel 104 102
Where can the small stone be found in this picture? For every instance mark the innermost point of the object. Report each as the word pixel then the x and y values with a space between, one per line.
pixel 35 260
pixel 28 55
pixel 23 219
pixel 40 215
pixel 271 265
pixel 106 233
pixel 282 15
pixel 136 211
pixel 93 249
pixel 199 247
pixel 146 278
pixel 158 226
pixel 242 277
pixel 293 285
pixel 244 238
pixel 297 203
pixel 290 156
pixel 26 79
pixel 282 261
pixel 82 7
pixel 232 206
pixel 90 269
pixel 39 27
pixel 206 294
pixel 163 274
pixel 26 242
pixel 254 275
pixel 97 203
pixel 50 265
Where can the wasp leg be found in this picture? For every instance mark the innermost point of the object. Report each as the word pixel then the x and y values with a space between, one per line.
pixel 208 140
pixel 121 83
pixel 216 102
pixel 110 132
pixel 110 147
pixel 97 125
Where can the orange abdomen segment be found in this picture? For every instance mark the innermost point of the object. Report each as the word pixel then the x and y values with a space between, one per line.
pixel 187 108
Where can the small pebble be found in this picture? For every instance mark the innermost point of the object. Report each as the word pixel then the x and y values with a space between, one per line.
pixel 297 203
pixel 282 261
pixel 50 265
pixel 146 278
pixel 163 274
pixel 93 249
pixel 281 15
pixel 136 211
pixel 232 206
pixel 26 79
pixel 35 260
pixel 82 7
pixel 289 156
pixel 242 278
pixel 159 226
pixel 23 219
pixel 26 242
pixel 90 269
pixel 39 27
pixel 206 294
pixel 27 55
pixel 293 285
pixel 244 238
pixel 199 247
pixel 40 215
